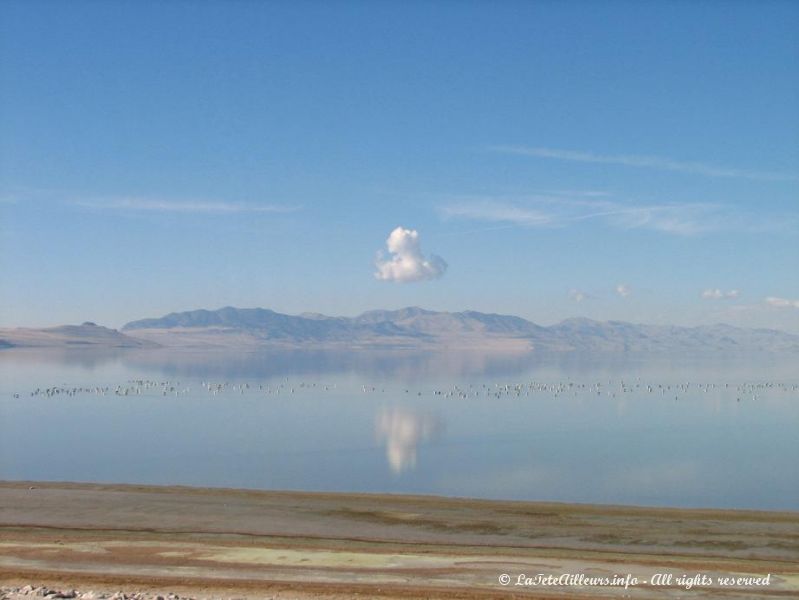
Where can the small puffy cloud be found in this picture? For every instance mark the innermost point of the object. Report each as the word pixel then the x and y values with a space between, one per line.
pixel 782 302
pixel 623 290
pixel 406 262
pixel 578 295
pixel 717 294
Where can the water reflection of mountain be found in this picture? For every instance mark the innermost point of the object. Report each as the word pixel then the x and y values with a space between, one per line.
pixel 85 358
pixel 402 365
pixel 402 430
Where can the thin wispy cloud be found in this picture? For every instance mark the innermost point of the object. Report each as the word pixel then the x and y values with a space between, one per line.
pixel 684 219
pixel 497 212
pixel 643 161
pixel 781 302
pixel 174 206
pixel 577 193
pixel 405 262
pixel 675 219
pixel 717 294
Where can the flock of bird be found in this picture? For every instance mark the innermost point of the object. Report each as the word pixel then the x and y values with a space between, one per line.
pixel 611 389
pixel 138 387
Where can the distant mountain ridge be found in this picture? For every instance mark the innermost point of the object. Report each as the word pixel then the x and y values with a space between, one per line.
pixel 410 328
pixel 87 335
pixel 417 327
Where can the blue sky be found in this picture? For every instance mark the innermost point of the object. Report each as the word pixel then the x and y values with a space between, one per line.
pixel 616 160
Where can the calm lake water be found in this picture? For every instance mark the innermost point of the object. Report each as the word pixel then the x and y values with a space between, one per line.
pixel 624 430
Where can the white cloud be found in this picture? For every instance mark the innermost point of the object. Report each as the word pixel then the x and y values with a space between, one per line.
pixel 717 294
pixel 639 161
pixel 578 295
pixel 623 290
pixel 782 302
pixel 406 262
pixel 194 206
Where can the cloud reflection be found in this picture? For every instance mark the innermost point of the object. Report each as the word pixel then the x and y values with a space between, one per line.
pixel 402 430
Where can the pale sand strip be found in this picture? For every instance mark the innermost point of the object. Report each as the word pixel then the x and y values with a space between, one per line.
pixel 250 543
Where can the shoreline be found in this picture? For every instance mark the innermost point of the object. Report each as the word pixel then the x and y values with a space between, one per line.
pixel 221 541
pixel 381 496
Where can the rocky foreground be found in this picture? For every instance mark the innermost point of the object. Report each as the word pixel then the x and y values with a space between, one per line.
pixel 60 592
pixel 15 593
pixel 153 543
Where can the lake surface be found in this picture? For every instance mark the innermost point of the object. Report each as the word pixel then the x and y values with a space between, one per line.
pixel 667 431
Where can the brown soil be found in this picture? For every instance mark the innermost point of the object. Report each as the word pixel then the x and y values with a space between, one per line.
pixel 241 543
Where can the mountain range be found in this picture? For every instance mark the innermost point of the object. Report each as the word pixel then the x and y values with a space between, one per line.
pixel 411 327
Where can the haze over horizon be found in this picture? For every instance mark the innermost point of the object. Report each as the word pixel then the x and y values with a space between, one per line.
pixel 617 161
pixel 377 309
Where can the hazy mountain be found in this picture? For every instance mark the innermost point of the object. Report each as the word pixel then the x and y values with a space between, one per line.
pixel 417 327
pixel 585 334
pixel 86 335
pixel 413 327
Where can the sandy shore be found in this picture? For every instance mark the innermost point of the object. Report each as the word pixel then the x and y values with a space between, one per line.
pixel 237 543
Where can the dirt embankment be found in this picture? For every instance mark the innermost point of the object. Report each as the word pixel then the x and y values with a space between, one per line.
pixel 235 543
